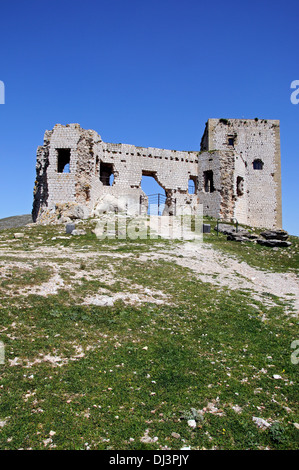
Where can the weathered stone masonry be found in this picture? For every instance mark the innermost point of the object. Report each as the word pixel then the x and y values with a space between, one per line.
pixel 236 173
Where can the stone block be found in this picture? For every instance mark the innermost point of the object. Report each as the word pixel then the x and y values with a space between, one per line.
pixel 69 228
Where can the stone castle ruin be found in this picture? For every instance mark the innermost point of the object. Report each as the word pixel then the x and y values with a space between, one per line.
pixel 235 175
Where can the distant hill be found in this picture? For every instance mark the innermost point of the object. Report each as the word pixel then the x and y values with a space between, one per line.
pixel 15 221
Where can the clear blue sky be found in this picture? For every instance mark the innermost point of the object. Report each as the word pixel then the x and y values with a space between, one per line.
pixel 148 73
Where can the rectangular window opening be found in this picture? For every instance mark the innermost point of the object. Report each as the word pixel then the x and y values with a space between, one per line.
pixel 258 164
pixel 208 181
pixel 240 186
pixel 192 185
pixel 231 141
pixel 63 160
pixel 106 174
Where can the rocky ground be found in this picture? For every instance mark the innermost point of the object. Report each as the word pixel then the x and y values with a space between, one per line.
pixel 210 265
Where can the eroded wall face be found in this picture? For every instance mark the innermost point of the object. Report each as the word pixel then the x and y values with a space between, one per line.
pixel 240 190
pixel 210 183
pixel 40 191
pixel 218 189
pixel 252 140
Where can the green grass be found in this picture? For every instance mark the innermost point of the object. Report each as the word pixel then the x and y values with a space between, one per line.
pixel 262 257
pixel 119 371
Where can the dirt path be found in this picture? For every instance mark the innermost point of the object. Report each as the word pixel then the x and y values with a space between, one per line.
pixel 209 265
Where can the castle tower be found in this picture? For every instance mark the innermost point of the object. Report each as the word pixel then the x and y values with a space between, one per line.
pixel 245 171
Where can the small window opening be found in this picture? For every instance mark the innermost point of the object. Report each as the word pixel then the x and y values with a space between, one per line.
pixel 192 186
pixel 106 174
pixel 231 140
pixel 208 181
pixel 258 164
pixel 63 160
pixel 240 186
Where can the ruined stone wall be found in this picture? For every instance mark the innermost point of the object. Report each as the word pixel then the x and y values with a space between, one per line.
pixel 210 198
pixel 217 190
pixel 240 190
pixel 88 154
pixel 170 168
pixel 62 186
pixel 40 190
pixel 226 181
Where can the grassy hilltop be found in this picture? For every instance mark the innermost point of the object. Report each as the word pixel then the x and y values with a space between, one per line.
pixel 146 344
